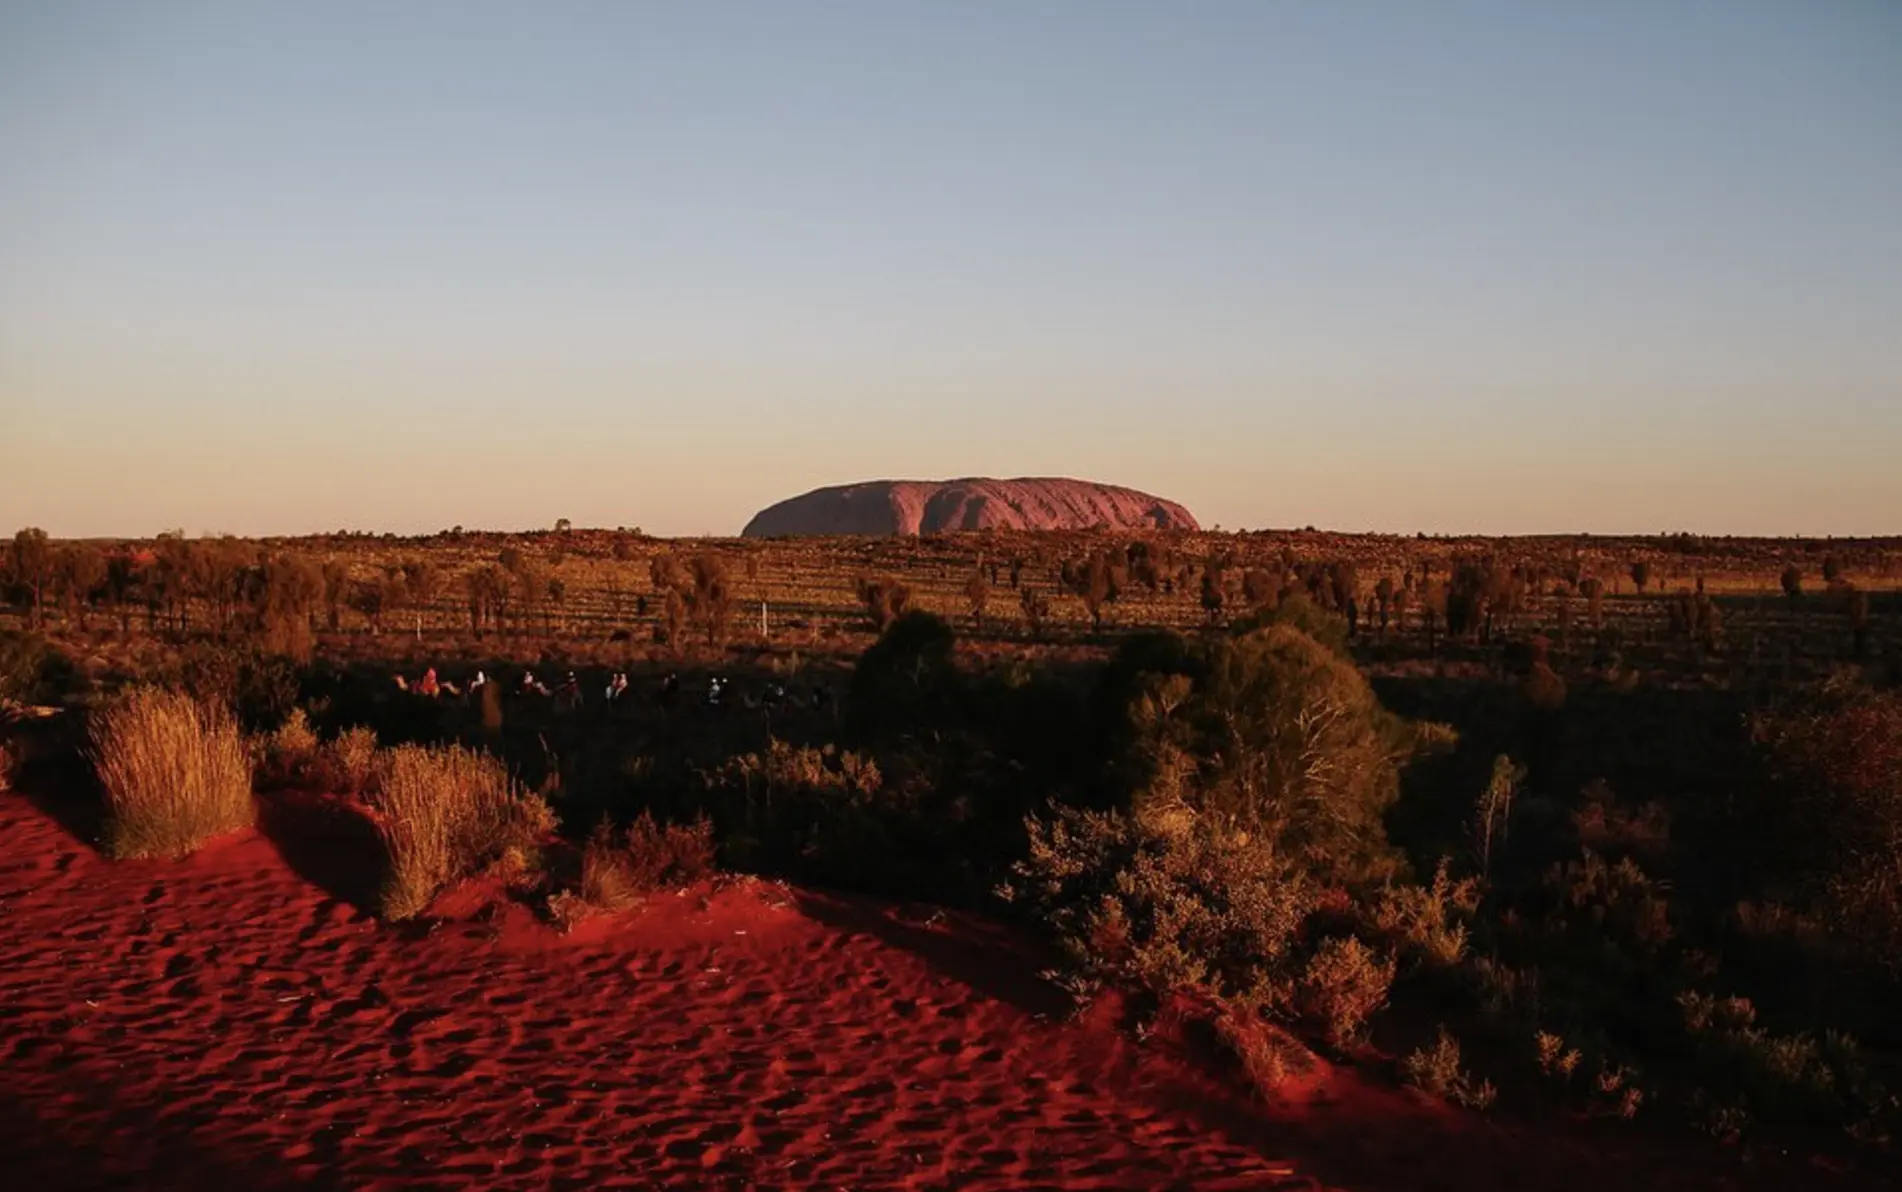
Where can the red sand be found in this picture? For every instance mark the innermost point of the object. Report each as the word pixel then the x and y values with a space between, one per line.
pixel 222 1022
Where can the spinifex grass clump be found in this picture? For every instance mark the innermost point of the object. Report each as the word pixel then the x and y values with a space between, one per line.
pixel 448 813
pixel 618 870
pixel 174 771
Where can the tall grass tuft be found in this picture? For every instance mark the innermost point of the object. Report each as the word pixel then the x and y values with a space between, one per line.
pixel 445 814
pixel 619 870
pixel 175 773
pixel 354 756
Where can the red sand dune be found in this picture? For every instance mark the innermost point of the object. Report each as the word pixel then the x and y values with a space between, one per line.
pixel 938 506
pixel 224 1022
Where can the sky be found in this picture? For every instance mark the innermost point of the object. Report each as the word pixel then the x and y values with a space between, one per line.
pixel 1491 267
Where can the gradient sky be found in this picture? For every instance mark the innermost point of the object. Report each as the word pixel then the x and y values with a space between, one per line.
pixel 1624 266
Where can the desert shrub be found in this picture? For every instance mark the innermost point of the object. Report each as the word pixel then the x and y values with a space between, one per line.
pixel 295 738
pixel 885 600
pixel 1556 1061
pixel 1610 827
pixel 1544 687
pixel 1035 607
pixel 1787 1077
pixel 1277 736
pixel 661 856
pixel 709 595
pixel 907 682
pixel 260 688
pixel 31 671
pixel 1435 1069
pixel 1298 611
pixel 1614 903
pixel 826 815
pixel 1265 1055
pixel 1344 983
pixel 619 869
pixel 1423 922
pixel 290 754
pixel 353 756
pixel 1160 904
pixel 447 813
pixel 977 594
pixel 174 772
pixel 1833 765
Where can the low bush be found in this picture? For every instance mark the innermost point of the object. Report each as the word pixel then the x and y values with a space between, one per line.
pixel 1161 905
pixel 353 757
pixel 446 813
pixel 1344 983
pixel 1833 764
pixel 174 773
pixel 1265 1056
pixel 262 689
pixel 619 869
pixel 31 671
pixel 1270 732
pixel 1424 922
pixel 1435 1069
pixel 289 755
pixel 663 856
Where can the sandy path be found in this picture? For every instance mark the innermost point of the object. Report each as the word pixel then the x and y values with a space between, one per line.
pixel 223 1022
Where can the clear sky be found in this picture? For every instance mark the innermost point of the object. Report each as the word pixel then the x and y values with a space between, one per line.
pixel 1622 266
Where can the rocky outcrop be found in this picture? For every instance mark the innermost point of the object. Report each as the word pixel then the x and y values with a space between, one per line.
pixel 939 506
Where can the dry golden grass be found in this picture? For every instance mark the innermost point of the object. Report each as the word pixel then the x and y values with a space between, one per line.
pixel 618 871
pixel 447 813
pixel 175 773
pixel 354 755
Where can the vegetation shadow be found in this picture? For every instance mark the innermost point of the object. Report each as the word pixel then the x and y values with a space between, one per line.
pixel 964 949
pixel 50 1152
pixel 329 842
pixel 51 772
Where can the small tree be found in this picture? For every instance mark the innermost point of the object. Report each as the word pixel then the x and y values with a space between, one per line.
pixel 978 593
pixel 1259 587
pixel 1640 575
pixel 82 573
pixel 885 600
pixel 1793 584
pixel 1593 589
pixel 1492 812
pixel 1097 585
pixel 710 595
pixel 1035 608
pixel 336 579
pixel 1213 597
pixel 1856 609
pixel 30 567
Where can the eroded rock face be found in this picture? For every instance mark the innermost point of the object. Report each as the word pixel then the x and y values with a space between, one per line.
pixel 939 506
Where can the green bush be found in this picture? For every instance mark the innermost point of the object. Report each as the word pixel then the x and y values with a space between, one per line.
pixel 1271 734
pixel 1161 904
